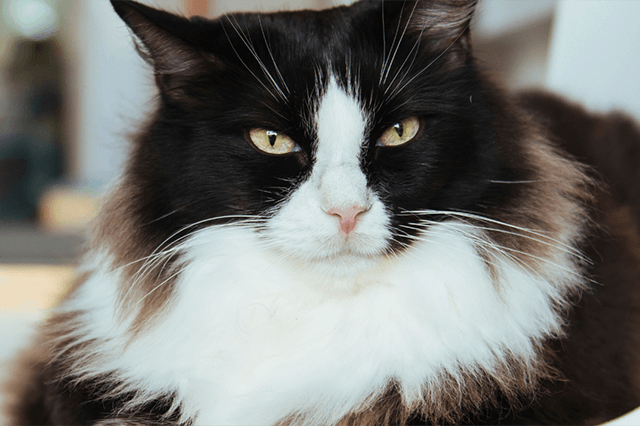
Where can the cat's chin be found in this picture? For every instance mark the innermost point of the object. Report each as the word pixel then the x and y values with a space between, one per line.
pixel 346 271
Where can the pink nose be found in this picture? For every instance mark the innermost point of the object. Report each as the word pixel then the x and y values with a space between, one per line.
pixel 347 217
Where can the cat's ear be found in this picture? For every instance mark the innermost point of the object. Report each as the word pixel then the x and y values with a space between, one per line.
pixel 445 23
pixel 168 43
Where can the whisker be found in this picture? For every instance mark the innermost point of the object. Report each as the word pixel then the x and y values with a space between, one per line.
pixel 276 112
pixel 393 42
pixel 422 238
pixel 548 243
pixel 165 281
pixel 181 247
pixel 256 219
pixel 240 58
pixel 249 44
pixel 266 42
pixel 492 247
pixel 151 261
pixel 400 89
pixel 569 248
pixel 399 42
pixel 415 48
pixel 508 250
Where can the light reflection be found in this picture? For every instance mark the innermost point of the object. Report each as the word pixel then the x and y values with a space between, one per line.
pixel 34 19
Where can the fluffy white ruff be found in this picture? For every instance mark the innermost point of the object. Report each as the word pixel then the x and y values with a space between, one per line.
pixel 250 338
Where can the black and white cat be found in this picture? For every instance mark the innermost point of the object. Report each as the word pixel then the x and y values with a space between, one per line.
pixel 334 218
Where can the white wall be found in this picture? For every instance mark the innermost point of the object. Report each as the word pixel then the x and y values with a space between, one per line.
pixel 595 54
pixel 495 18
pixel 112 89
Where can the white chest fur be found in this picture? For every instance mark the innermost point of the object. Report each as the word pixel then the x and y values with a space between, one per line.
pixel 251 339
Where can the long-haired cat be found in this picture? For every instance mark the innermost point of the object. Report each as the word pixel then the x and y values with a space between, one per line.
pixel 334 218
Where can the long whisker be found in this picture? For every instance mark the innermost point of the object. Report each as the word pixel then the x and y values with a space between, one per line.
pixel 422 238
pixel 507 251
pixel 186 244
pixel 248 43
pixel 416 49
pixel 383 69
pixel 248 219
pixel 266 42
pixel 544 237
pixel 164 252
pixel 399 42
pixel 240 58
pixel 550 242
pixel 165 281
pixel 489 245
pixel 401 88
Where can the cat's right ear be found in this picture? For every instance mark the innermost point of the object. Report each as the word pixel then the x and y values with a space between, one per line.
pixel 168 43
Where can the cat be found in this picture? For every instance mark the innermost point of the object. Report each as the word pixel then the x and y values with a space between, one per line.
pixel 336 218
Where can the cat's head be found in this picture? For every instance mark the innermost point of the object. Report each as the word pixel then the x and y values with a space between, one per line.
pixel 340 135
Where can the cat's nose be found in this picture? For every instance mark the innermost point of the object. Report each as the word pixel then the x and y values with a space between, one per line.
pixel 348 217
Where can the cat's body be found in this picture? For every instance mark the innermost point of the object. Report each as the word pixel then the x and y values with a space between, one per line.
pixel 334 218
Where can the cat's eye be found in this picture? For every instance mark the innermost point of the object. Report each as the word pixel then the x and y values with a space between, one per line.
pixel 400 133
pixel 272 142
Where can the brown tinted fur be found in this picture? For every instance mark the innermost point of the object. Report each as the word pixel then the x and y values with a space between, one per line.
pixel 28 391
pixel 610 143
pixel 552 201
pixel 120 229
pixel 600 356
pixel 32 395
pixel 456 400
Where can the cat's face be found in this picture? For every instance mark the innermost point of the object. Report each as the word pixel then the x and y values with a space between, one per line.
pixel 332 132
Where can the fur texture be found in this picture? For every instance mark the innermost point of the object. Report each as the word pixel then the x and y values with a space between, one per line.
pixel 222 287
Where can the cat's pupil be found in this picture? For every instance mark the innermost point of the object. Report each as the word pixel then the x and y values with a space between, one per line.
pixel 272 137
pixel 399 129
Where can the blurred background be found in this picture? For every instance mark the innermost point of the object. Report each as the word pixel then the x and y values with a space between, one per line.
pixel 72 89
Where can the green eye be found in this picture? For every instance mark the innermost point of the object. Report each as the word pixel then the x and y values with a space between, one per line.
pixel 272 142
pixel 400 133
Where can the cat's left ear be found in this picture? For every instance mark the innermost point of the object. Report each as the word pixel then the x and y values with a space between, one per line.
pixel 444 22
pixel 168 42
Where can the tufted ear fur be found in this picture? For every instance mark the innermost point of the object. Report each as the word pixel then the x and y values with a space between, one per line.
pixel 169 43
pixel 444 23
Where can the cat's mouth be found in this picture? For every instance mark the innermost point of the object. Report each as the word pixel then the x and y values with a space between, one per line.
pixel 328 238
pixel 340 270
pixel 350 255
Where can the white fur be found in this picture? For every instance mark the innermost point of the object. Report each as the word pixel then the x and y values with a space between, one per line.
pixel 341 132
pixel 303 320
pixel 251 338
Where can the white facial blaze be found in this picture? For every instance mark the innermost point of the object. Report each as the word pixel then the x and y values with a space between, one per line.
pixel 341 132
pixel 305 227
